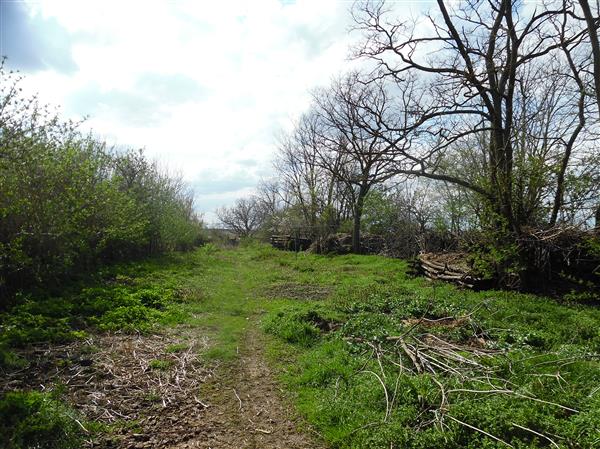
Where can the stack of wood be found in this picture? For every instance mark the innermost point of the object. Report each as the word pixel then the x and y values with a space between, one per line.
pixel 451 267
pixel 279 241
pixel 290 243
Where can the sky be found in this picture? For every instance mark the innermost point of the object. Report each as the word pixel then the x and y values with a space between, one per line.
pixel 204 86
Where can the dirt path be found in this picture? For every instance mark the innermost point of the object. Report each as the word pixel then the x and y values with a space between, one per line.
pixel 246 409
pixel 237 405
pixel 162 390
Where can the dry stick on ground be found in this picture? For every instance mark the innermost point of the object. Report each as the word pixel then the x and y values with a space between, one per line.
pixel 238 397
pixel 480 430
pixel 511 392
pixel 385 391
pixel 432 353
pixel 377 351
pixel 537 433
pixel 411 356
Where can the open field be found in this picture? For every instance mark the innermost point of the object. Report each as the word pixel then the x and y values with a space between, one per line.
pixel 253 347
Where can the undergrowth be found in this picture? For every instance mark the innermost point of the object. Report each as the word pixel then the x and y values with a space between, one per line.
pixel 125 298
pixel 38 420
pixel 513 369
pixel 136 297
pixel 495 369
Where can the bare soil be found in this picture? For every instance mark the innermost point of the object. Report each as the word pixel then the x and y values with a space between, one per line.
pixel 247 408
pixel 155 392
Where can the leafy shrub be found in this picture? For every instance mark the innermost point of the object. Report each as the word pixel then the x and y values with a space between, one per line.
pixel 135 318
pixel 70 204
pixel 37 420
pixel 209 249
pixel 293 326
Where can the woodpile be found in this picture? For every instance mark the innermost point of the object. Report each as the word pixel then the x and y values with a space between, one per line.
pixel 341 243
pixel 450 267
pixel 290 243
pixel 563 254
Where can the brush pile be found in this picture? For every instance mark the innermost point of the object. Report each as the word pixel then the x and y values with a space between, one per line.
pixel 472 368
pixel 451 267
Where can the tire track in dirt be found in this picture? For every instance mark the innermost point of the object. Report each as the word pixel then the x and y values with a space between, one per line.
pixel 246 409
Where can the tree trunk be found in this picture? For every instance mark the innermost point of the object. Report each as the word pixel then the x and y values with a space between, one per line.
pixel 356 233
pixel 358 211
pixel 593 33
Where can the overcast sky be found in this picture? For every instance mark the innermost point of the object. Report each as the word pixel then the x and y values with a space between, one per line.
pixel 204 86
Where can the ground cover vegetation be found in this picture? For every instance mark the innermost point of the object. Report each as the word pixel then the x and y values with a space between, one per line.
pixel 472 126
pixel 391 361
pixel 50 338
pixel 370 356
pixel 71 208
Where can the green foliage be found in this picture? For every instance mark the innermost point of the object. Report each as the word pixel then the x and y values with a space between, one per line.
pixel 161 365
pixel 128 305
pixel 37 420
pixel 9 360
pixel 379 213
pixel 22 328
pixel 496 253
pixel 136 318
pixel 549 351
pixel 293 326
pixel 593 245
pixel 177 347
pixel 69 204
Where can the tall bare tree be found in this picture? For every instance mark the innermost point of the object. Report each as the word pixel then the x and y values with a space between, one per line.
pixel 244 217
pixel 475 66
pixel 592 24
pixel 350 125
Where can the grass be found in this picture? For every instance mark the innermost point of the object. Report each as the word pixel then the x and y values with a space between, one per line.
pixel 540 388
pixel 33 419
pixel 329 317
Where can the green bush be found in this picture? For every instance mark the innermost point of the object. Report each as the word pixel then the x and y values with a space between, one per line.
pixel 69 203
pixel 37 420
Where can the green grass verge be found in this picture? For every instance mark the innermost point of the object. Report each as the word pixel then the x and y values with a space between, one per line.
pixel 537 385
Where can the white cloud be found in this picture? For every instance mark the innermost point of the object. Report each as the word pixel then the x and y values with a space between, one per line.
pixel 254 63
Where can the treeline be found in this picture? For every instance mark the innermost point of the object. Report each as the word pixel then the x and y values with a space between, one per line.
pixel 489 110
pixel 69 203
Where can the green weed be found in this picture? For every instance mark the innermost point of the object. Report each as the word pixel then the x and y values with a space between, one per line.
pixel 547 351
pixel 177 347
pixel 37 420
pixel 161 365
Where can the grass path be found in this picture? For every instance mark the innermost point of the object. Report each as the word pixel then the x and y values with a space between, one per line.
pixel 246 408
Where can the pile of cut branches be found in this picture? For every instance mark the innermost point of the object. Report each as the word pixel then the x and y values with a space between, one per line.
pixel 466 369
pixel 562 254
pixel 452 267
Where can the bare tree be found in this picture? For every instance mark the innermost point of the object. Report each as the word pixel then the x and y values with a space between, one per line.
pixel 350 125
pixel 476 68
pixel 314 195
pixel 244 217
pixel 592 24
